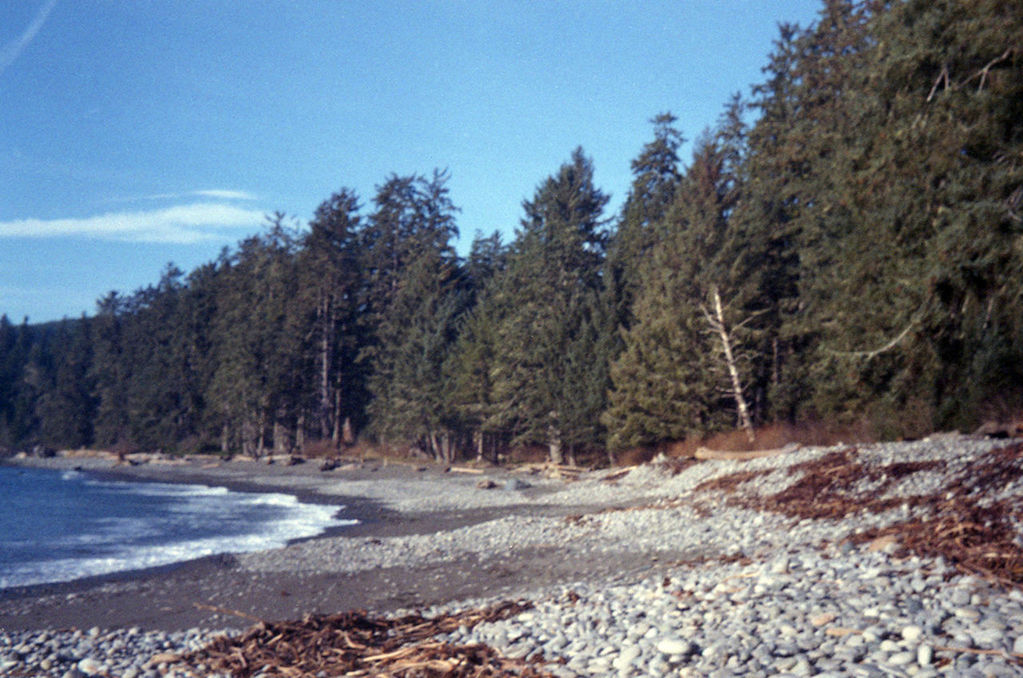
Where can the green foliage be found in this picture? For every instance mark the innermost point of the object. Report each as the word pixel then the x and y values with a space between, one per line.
pixel 865 233
pixel 667 382
pixel 547 324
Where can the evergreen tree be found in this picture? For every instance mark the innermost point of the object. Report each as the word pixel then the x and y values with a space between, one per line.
pixel 260 344
pixel 471 363
pixel 411 299
pixel 668 380
pixel 66 408
pixel 11 366
pixel 329 265
pixel 656 177
pixel 111 372
pixel 410 387
pixel 553 274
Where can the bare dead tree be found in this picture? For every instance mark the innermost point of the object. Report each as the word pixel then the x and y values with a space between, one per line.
pixel 715 318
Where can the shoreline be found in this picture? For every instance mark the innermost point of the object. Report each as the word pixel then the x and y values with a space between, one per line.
pixel 834 561
pixel 167 597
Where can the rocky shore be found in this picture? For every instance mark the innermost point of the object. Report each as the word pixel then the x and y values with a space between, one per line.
pixel 900 559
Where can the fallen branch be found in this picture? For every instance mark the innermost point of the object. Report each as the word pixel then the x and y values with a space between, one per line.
pixel 1011 656
pixel 354 644
pixel 224 610
pixel 466 469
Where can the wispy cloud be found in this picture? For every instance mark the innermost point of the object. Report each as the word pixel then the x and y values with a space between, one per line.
pixel 13 50
pixel 226 195
pixel 214 193
pixel 182 224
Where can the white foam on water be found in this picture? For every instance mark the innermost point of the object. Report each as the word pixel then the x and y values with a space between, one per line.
pixel 116 546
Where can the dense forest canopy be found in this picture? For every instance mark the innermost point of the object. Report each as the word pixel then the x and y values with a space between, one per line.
pixel 845 245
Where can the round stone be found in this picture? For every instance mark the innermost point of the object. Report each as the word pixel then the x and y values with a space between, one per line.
pixel 673 646
pixel 90 666
pixel 924 655
pixel 911 633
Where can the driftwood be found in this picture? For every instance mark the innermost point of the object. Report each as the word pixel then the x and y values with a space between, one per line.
pixel 704 453
pixel 355 644
pixel 977 538
pixel 466 469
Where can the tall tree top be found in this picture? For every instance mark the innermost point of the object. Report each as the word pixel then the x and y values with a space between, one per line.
pixel 568 206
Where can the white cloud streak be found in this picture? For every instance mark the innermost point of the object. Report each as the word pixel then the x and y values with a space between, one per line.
pixel 213 193
pixel 226 195
pixel 183 224
pixel 13 50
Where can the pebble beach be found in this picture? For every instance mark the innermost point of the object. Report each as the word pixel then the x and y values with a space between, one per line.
pixel 708 568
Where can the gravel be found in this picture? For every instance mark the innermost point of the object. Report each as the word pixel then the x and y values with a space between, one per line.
pixel 723 590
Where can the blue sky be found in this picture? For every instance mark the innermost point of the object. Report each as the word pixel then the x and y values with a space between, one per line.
pixel 136 133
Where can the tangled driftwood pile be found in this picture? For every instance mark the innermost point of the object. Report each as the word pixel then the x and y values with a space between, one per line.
pixel 356 644
pixel 961 522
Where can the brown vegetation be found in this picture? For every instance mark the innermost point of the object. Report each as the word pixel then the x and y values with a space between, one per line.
pixel 961 522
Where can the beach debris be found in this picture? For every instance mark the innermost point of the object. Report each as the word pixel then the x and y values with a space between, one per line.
pixel 616 476
pixel 330 464
pixel 565 472
pixel 704 453
pixel 962 521
pixel 465 469
pixel 356 644
pixel 487 484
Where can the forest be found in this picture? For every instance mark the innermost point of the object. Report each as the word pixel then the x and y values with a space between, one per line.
pixel 844 246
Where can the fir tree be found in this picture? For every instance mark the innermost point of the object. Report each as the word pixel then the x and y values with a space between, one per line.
pixel 553 274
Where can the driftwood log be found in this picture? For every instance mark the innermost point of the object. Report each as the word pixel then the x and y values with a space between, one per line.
pixel 355 644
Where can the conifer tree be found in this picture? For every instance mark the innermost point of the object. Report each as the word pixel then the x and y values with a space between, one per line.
pixel 668 379
pixel 66 407
pixel 553 274
pixel 411 299
pixel 260 343
pixel 409 384
pixel 655 179
pixel 111 371
pixel 329 266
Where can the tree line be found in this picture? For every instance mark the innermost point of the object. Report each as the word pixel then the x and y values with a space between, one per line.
pixel 844 245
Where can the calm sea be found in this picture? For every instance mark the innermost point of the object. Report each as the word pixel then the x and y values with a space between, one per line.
pixel 63 525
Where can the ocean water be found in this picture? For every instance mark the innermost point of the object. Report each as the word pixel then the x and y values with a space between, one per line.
pixel 63 525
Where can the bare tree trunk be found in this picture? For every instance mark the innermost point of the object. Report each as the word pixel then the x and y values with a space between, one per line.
pixel 448 444
pixel 325 361
pixel 434 450
pixel 340 433
pixel 554 448
pixel 282 438
pixel 260 434
pixel 720 328
pixel 347 432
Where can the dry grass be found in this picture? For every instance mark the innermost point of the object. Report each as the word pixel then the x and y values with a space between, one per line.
pixel 770 437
